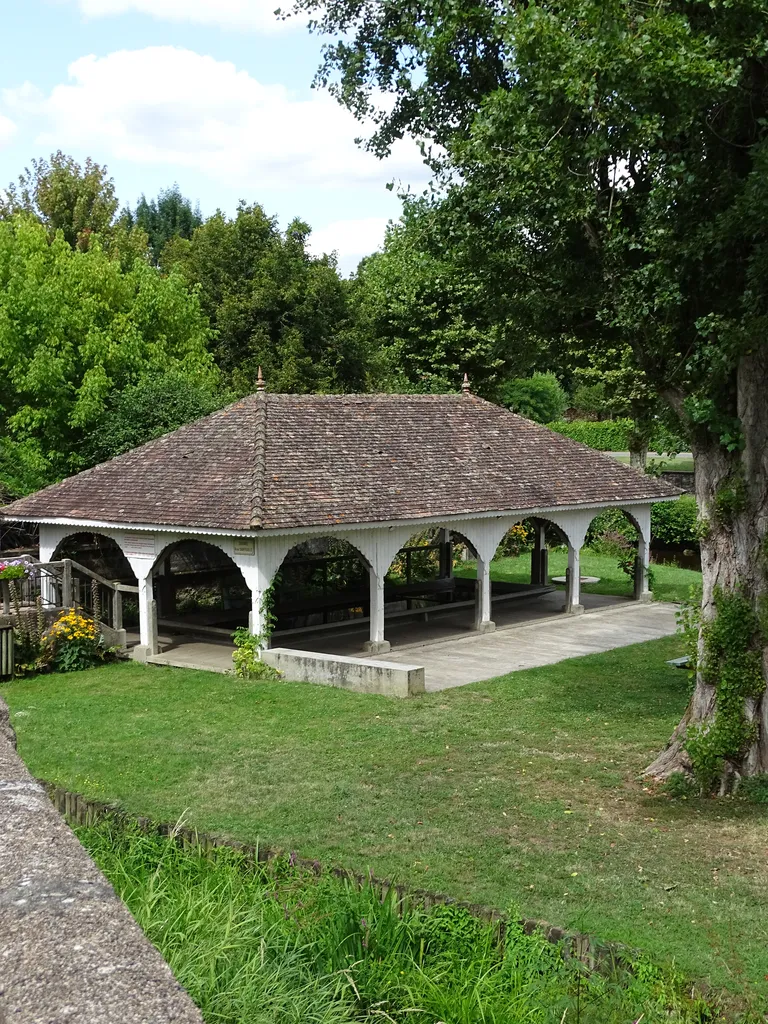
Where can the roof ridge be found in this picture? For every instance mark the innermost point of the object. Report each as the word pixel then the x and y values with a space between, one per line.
pixel 259 461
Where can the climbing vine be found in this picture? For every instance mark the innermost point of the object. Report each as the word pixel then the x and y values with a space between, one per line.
pixel 247 658
pixel 730 501
pixel 268 612
pixel 732 662
pixel 688 625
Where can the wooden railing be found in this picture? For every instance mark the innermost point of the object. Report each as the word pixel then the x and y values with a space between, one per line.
pixel 68 584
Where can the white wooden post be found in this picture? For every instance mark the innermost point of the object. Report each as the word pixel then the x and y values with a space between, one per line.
pixel 573 605
pixel 376 644
pixel 257 618
pixel 483 623
pixel 147 620
pixel 641 517
pixel 642 590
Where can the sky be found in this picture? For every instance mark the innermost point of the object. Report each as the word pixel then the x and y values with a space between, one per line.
pixel 213 95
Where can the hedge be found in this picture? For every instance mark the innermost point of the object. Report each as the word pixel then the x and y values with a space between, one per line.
pixel 603 435
pixel 613 435
pixel 672 523
pixel 675 522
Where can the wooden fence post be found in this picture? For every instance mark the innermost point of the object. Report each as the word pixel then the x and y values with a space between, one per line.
pixel 117 609
pixel 66 583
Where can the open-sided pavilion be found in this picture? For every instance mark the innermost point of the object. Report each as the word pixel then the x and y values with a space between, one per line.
pixel 271 472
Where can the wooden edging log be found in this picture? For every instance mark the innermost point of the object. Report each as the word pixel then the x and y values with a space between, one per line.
pixel 595 955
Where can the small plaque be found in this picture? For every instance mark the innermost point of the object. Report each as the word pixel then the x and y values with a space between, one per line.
pixel 245 546
pixel 139 545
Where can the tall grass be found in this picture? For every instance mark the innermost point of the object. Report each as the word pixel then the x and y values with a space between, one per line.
pixel 271 945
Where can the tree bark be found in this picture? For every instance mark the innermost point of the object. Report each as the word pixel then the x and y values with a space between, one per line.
pixel 638 456
pixel 734 557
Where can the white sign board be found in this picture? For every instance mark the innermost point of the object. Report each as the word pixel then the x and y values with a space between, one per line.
pixel 139 545
pixel 244 546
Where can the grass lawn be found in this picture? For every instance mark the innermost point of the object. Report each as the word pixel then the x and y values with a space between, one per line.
pixel 670 583
pixel 676 465
pixel 521 791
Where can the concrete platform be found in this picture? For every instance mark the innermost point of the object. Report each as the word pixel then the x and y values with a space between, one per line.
pixel 470 659
pixel 538 634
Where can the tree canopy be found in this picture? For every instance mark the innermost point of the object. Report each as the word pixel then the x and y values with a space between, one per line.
pixel 78 201
pixel 271 303
pixel 539 397
pixel 75 327
pixel 168 216
pixel 424 319
pixel 603 164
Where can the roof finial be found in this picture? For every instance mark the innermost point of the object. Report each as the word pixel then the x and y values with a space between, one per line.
pixel 260 383
pixel 465 385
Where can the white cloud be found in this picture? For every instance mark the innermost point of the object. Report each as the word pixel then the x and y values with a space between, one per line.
pixel 351 239
pixel 7 130
pixel 249 15
pixel 168 106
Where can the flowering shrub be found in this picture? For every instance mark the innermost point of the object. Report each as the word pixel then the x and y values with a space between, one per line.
pixel 16 569
pixel 73 643
pixel 516 540
pixel 29 635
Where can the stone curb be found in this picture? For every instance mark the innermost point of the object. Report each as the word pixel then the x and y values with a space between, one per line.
pixel 592 952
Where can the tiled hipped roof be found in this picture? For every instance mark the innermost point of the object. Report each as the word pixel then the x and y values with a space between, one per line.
pixel 272 461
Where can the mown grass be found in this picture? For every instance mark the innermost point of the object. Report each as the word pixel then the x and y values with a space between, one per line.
pixel 265 944
pixel 676 465
pixel 670 583
pixel 522 789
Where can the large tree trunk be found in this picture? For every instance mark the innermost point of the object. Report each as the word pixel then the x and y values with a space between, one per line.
pixel 638 455
pixel 734 559
pixel 638 441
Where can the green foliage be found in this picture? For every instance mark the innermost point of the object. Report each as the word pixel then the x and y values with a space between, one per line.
pixel 168 216
pixel 273 943
pixel 628 565
pixel 602 435
pixel 601 165
pixel 688 626
pixel 676 522
pixel 453 930
pixel 305 755
pixel 590 398
pixel 247 656
pixel 156 404
pixel 732 662
pixel 516 540
pixel 29 628
pixel 679 786
pixel 755 789
pixel 540 397
pixel 73 643
pixel 271 303
pixel 611 526
pixel 424 320
pixel 730 501
pixel 75 327
pixel 671 583
pixel 619 435
pixel 23 468
pixel 78 201
pixel 421 562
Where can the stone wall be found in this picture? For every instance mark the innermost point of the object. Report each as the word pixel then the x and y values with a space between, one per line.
pixel 70 951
